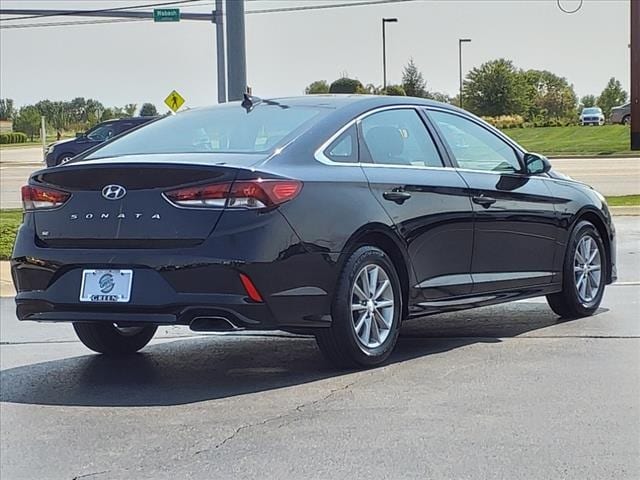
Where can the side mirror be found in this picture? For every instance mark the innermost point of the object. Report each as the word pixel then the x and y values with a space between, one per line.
pixel 536 164
pixel 80 134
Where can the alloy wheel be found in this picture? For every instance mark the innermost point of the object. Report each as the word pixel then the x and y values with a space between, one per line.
pixel 372 305
pixel 587 268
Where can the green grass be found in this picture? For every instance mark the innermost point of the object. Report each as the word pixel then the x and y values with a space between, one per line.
pixel 624 201
pixel 35 143
pixel 10 220
pixel 573 140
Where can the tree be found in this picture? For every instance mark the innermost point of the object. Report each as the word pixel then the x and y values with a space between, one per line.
pixel 319 86
pixel 130 109
pixel 6 109
pixel 548 96
pixel 28 121
pixel 495 88
pixel 148 110
pixel 412 81
pixel 439 97
pixel 588 101
pixel 612 95
pixel 394 90
pixel 372 89
pixel 346 85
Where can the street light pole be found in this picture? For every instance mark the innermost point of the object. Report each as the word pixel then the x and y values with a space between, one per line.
pixel 635 74
pixel 384 49
pixel 460 42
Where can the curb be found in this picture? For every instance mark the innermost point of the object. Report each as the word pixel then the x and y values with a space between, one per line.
pixel 6 284
pixel 617 156
pixel 631 210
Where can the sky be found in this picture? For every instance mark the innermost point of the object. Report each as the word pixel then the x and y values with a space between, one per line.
pixel 143 61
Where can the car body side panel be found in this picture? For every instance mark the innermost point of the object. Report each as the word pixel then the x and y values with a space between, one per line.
pixel 436 223
pixel 574 201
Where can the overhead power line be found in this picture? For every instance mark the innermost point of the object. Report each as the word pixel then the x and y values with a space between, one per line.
pixel 328 6
pixel 123 20
pixel 115 9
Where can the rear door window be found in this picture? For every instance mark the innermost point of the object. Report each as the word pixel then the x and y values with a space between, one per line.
pixel 399 137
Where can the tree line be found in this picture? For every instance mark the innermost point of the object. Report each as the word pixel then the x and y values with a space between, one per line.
pixel 78 114
pixel 495 89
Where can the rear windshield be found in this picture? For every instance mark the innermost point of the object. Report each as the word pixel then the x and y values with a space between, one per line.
pixel 223 129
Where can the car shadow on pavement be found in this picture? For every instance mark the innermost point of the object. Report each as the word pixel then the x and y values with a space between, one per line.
pixel 211 367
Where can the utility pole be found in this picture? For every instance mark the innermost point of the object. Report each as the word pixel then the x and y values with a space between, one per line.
pixel 384 50
pixel 43 135
pixel 236 50
pixel 460 42
pixel 635 74
pixel 222 67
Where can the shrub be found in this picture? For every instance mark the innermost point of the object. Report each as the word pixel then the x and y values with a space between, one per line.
pixel 12 137
pixel 395 90
pixel 346 85
pixel 505 121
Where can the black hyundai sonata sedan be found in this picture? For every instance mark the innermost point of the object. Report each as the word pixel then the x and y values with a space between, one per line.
pixel 337 216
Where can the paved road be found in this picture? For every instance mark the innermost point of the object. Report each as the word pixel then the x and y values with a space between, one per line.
pixel 611 176
pixel 500 392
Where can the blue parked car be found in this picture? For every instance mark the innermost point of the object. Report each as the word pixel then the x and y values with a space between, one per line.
pixel 64 150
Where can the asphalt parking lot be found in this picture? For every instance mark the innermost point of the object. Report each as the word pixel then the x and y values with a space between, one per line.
pixel 501 392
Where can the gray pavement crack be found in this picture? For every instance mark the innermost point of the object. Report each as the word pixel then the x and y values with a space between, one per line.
pixel 295 410
pixel 87 475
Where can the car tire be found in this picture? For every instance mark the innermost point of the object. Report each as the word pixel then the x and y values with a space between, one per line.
pixel 582 287
pixel 110 339
pixel 64 158
pixel 363 333
pixel 626 120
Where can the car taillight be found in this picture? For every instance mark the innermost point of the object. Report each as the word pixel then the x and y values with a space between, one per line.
pixel 36 198
pixel 250 194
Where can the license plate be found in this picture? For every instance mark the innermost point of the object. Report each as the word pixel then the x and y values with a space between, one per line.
pixel 106 286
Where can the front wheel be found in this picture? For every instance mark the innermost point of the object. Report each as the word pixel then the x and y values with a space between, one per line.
pixel 584 274
pixel 64 158
pixel 366 311
pixel 626 120
pixel 111 339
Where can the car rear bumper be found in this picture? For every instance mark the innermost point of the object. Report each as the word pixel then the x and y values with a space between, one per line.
pixel 180 285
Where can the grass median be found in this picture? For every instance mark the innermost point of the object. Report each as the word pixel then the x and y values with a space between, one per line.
pixel 573 140
pixel 10 220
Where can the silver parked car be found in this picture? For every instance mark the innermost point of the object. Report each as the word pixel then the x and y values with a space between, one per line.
pixel 621 114
pixel 592 116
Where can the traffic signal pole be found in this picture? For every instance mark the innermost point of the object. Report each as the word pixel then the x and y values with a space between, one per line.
pixel 232 74
pixel 236 50
pixel 635 74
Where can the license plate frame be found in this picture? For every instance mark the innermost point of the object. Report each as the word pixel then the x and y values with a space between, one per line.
pixel 106 285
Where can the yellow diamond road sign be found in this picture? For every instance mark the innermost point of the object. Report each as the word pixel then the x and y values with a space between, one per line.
pixel 174 101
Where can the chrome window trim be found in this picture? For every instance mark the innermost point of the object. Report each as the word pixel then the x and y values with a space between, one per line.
pixel 481 123
pixel 320 156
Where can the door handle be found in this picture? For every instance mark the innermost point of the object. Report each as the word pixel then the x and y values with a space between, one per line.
pixel 486 202
pixel 397 196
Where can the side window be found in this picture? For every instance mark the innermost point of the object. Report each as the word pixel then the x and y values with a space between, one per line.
pixel 344 149
pixel 102 133
pixel 399 137
pixel 473 146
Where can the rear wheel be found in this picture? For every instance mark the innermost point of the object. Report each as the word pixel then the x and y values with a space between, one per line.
pixel 626 120
pixel 584 274
pixel 366 311
pixel 111 339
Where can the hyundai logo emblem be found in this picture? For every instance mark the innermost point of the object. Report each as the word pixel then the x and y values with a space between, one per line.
pixel 114 192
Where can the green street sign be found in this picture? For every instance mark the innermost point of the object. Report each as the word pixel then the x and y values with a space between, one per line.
pixel 166 14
